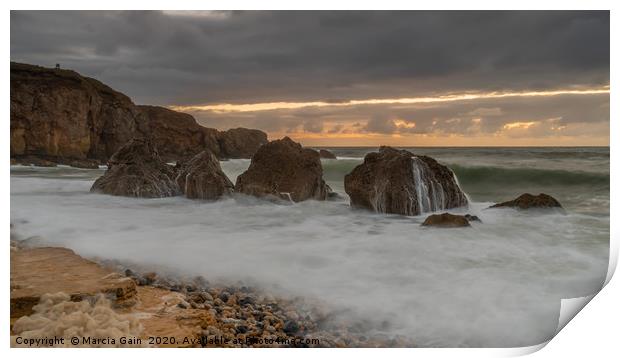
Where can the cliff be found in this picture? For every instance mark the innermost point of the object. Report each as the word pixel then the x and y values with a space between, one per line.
pixel 63 117
pixel 60 115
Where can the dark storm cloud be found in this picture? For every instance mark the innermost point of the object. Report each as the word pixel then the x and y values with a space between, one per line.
pixel 243 57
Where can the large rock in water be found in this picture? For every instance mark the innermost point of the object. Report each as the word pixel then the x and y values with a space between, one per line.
pixel 62 116
pixel 202 178
pixel 399 182
pixel 177 135
pixel 136 170
pixel 282 168
pixel 529 201
pixel 241 142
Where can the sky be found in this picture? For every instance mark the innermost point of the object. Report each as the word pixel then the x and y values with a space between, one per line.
pixel 348 78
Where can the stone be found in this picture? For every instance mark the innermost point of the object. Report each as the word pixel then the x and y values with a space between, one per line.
pixel 470 217
pixel 446 220
pixel 224 296
pixel 291 327
pixel 201 177
pixel 136 170
pixel 326 154
pixel 38 271
pixel 529 201
pixel 177 135
pixel 241 142
pixel 396 181
pixel 150 278
pixel 284 169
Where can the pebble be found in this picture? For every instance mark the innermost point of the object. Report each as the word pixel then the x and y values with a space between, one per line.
pixel 224 296
pixel 242 311
pixel 291 327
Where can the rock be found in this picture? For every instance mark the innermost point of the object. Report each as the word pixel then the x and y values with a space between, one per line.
pixel 201 177
pixel 529 201
pixel 291 327
pixel 60 114
pixel 33 160
pixel 241 329
pixel 84 163
pixel 398 182
pixel 177 135
pixel 149 278
pixel 37 271
pixel 446 220
pixel 45 161
pixel 241 142
pixel 472 218
pixel 326 154
pixel 224 296
pixel 282 168
pixel 136 170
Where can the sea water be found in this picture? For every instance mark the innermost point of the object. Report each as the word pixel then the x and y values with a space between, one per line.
pixel 496 284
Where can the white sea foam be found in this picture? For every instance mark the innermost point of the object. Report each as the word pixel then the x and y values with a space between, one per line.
pixel 498 283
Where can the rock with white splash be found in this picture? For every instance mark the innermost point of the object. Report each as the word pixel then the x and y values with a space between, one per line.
pixel 396 181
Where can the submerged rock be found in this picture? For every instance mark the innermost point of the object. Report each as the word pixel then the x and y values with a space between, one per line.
pixel 470 217
pixel 529 201
pixel 446 220
pixel 136 170
pixel 398 182
pixel 324 153
pixel 202 178
pixel 282 168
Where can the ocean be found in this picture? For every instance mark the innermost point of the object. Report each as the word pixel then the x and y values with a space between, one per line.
pixel 496 284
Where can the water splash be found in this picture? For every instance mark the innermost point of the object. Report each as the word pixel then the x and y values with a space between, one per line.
pixel 430 194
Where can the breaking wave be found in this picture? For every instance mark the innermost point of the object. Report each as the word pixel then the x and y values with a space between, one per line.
pixel 514 176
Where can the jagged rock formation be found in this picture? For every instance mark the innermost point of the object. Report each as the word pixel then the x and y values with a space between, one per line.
pixel 63 117
pixel 399 182
pixel 136 170
pixel 201 177
pixel 282 168
pixel 324 153
pixel 241 142
pixel 177 135
pixel 529 201
pixel 59 115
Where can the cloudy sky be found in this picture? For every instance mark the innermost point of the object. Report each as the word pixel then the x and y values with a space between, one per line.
pixel 348 78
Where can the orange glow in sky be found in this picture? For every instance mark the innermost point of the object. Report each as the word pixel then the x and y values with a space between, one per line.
pixel 255 107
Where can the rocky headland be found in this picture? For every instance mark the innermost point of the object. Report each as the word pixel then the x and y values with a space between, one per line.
pixel 59 116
